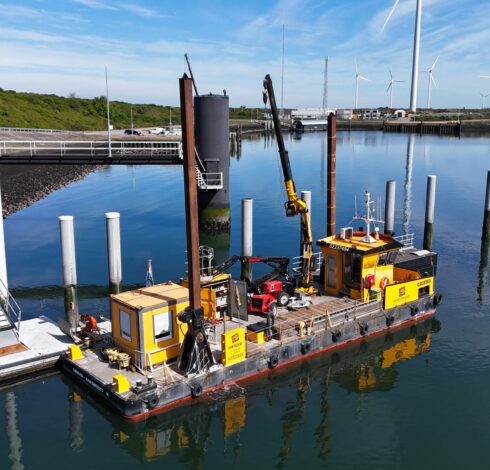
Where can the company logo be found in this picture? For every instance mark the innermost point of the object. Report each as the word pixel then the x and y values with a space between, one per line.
pixel 338 247
pixel 401 292
pixel 235 338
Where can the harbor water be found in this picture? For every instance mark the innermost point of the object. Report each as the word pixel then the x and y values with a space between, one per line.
pixel 415 398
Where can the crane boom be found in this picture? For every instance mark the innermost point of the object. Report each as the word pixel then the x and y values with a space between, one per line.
pixel 294 205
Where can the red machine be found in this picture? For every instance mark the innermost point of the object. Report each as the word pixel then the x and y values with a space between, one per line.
pixel 272 294
pixel 271 290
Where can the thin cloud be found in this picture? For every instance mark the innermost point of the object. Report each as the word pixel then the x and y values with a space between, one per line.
pixel 133 8
pixel 96 4
pixel 140 11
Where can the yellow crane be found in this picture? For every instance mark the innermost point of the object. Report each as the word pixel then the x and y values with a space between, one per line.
pixel 294 205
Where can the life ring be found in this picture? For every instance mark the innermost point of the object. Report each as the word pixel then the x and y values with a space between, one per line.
pixel 152 401
pixel 305 348
pixel 273 361
pixel 196 391
pixel 336 335
pixel 369 281
pixel 383 283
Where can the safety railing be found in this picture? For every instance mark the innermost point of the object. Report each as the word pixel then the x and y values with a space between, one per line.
pixel 30 129
pixel 10 307
pixel 406 240
pixel 93 148
pixel 209 181
pixel 298 261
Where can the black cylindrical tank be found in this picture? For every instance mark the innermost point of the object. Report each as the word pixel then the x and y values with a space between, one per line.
pixel 213 149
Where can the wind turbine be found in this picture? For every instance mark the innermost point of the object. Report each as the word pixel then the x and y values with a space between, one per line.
pixel 431 81
pixel 483 97
pixel 416 51
pixel 391 86
pixel 358 77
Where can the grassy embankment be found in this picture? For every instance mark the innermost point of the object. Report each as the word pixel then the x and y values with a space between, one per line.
pixel 56 112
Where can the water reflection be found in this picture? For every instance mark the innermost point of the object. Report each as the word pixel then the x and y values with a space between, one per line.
pixel 13 435
pixel 188 432
pixel 76 420
pixel 483 269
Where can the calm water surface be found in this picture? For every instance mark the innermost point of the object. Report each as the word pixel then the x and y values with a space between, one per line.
pixel 417 398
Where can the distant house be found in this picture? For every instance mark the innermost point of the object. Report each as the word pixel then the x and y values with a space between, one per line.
pixel 344 114
pixel 400 114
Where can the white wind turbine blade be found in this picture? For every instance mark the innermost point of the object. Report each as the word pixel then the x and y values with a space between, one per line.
pixel 364 78
pixel 434 64
pixel 484 76
pixel 391 75
pixel 432 80
pixel 357 71
pixel 389 86
pixel 390 14
pixel 399 81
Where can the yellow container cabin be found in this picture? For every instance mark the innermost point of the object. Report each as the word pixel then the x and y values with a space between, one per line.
pixel 145 323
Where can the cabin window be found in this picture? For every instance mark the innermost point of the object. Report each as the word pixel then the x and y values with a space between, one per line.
pixel 392 257
pixel 162 326
pixel 356 268
pixel 125 324
pixel 352 269
pixel 423 291
pixel 385 259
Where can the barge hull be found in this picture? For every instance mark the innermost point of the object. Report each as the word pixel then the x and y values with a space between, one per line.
pixel 287 351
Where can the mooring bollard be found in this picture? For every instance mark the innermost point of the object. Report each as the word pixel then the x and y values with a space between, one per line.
pixel 486 214
pixel 3 257
pixel 390 208
pixel 114 251
pixel 429 211
pixel 247 235
pixel 67 236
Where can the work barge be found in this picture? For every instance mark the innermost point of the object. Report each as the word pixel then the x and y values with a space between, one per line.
pixel 174 342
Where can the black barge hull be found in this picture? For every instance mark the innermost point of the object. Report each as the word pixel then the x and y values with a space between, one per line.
pixel 288 352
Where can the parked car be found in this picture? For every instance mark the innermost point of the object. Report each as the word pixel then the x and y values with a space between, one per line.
pixel 132 132
pixel 157 130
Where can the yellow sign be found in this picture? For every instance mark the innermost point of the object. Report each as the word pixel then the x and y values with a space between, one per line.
pixel 233 346
pixel 404 292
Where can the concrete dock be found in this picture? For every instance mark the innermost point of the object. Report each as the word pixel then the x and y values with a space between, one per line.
pixel 41 343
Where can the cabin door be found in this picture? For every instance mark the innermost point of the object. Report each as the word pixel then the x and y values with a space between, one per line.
pixel 332 271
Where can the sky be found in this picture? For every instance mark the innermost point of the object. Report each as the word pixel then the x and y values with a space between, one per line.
pixel 62 47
